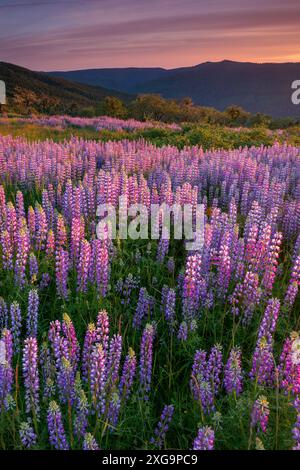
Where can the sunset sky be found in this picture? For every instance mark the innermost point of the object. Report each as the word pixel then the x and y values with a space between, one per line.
pixel 77 34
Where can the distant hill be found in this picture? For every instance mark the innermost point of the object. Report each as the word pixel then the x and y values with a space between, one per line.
pixel 44 90
pixel 262 88
pixel 126 80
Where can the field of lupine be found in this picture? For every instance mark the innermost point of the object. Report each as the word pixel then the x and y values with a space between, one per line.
pixel 140 344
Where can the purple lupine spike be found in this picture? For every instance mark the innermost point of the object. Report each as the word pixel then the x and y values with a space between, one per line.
pixel 289 367
pixel 233 377
pixel 89 442
pixel 4 317
pixel 201 383
pixel 41 227
pixel 269 321
pixel 113 360
pixel 89 343
pixel 20 205
pixel 162 249
pixel 128 374
pixel 62 269
pixel 168 305
pixel 16 324
pixel 103 329
pixel 28 436
pixel 214 367
pixel 296 428
pixel 146 357
pixel 22 255
pixel 205 439
pixel 69 332
pixel 191 285
pixel 83 266
pixel 162 427
pixel 293 287
pixel 101 267
pixel 7 250
pixel 6 370
pixel 31 376
pixel 97 378
pixel 76 236
pixel 32 313
pixel 143 309
pixel 66 381
pixel 50 244
pixel 263 363
pixel 260 414
pixel 33 267
pixel 57 436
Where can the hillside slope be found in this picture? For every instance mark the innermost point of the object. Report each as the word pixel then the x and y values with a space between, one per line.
pixel 42 90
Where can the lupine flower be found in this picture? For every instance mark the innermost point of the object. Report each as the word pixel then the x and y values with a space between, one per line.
pixel 128 374
pixel 62 268
pixel 113 360
pixel 102 267
pixel 22 255
pixel 89 442
pixel 66 381
pixel 97 377
pixel 3 314
pixel 33 267
pixel 205 439
pixel 31 375
pixel 263 363
pixel 89 343
pixel 32 313
pixel 168 305
pixel 192 285
pixel 162 427
pixel 201 383
pixel 289 367
pixel 260 414
pixel 27 435
pixel 56 430
pixel 103 330
pixel 214 367
pixel 269 321
pixel 146 359
pixel 7 250
pixel 16 324
pixel 143 309
pixel 294 284
pixel 233 379
pixel 70 335
pixel 83 266
pixel 6 370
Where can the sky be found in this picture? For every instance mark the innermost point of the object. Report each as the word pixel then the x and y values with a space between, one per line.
pixel 78 34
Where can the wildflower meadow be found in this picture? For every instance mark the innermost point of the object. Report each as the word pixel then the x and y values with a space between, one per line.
pixel 140 343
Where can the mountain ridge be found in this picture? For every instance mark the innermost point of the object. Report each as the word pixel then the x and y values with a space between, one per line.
pixel 257 87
